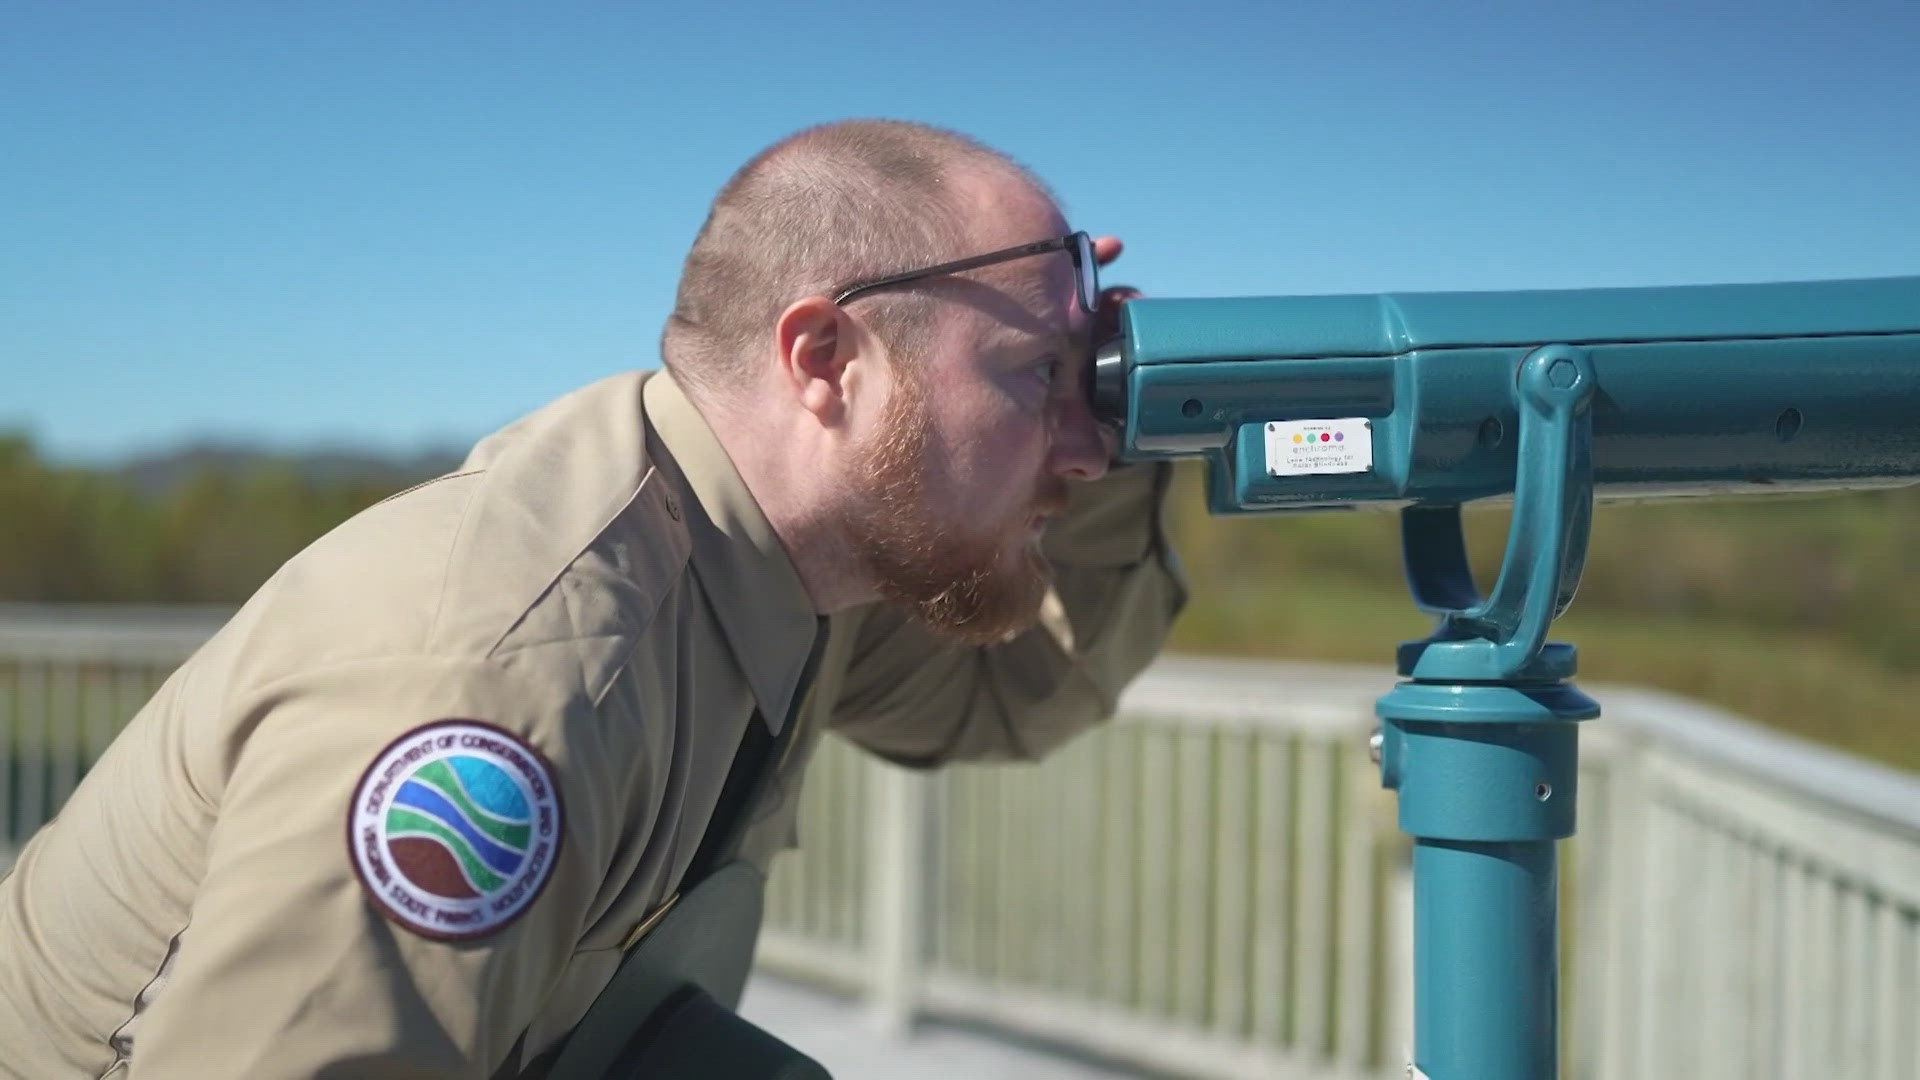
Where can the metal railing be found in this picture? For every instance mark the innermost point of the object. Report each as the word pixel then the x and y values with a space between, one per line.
pixel 1212 886
pixel 1199 887
pixel 1747 905
pixel 70 676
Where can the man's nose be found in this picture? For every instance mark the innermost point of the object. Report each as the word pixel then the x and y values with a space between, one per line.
pixel 1082 446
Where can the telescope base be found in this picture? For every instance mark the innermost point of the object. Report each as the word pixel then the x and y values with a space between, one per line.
pixel 1486 775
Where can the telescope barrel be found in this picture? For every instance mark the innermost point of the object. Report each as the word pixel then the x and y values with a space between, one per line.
pixel 1340 401
pixel 1427 401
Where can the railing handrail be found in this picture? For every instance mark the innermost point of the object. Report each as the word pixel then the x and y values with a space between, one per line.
pixel 1218 691
pixel 1323 698
pixel 1878 793
pixel 79 632
pixel 1233 693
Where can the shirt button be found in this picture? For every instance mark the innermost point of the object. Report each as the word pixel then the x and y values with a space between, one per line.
pixel 673 506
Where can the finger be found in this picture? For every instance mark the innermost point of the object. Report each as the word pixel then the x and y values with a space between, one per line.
pixel 1106 322
pixel 1106 249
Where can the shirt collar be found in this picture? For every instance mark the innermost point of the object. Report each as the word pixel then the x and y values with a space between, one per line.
pixel 764 610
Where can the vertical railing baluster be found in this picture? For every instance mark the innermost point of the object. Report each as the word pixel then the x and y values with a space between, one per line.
pixel 1735 942
pixel 100 715
pixel 1044 873
pixel 1651 974
pixel 1397 1028
pixel 1684 953
pixel 986 907
pixel 1029 932
pixel 848 838
pixel 1010 828
pixel 36 748
pixel 1193 878
pixel 1075 867
pixel 1799 943
pixel 1892 994
pixel 1824 989
pixel 1748 927
pixel 1784 876
pixel 895 905
pixel 64 705
pixel 1001 910
pixel 1273 860
pixel 1313 952
pixel 1853 1004
pixel 1355 966
pixel 1615 976
pixel 1120 860
pixel 1903 1044
pixel 1156 871
pixel 954 945
pixel 861 824
pixel 1232 816
pixel 10 722
pixel 1594 931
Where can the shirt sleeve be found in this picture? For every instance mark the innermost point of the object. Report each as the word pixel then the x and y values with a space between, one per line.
pixel 917 699
pixel 295 961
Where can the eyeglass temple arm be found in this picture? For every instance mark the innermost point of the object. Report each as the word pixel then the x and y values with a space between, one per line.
pixel 958 265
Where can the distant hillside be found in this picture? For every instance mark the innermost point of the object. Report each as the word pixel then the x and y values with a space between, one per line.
pixel 200 524
pixel 155 474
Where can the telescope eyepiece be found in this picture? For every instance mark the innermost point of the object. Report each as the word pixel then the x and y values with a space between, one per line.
pixel 1107 382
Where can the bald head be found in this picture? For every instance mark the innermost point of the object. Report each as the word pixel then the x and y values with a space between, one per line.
pixel 824 207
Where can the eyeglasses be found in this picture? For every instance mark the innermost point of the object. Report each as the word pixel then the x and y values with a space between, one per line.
pixel 1079 245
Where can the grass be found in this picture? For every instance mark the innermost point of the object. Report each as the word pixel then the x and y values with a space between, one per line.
pixel 1808 683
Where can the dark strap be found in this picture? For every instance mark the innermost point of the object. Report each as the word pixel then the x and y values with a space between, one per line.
pixel 611 1021
pixel 727 827
pixel 754 767
pixel 694 1037
pixel 705 941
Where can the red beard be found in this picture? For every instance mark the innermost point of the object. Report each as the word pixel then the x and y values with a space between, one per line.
pixel 961 586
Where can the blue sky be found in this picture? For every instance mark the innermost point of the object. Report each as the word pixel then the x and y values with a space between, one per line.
pixel 401 224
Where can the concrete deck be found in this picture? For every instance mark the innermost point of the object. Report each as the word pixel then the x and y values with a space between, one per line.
pixel 834 1032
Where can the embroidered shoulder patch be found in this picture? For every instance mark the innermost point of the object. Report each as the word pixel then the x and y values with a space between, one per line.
pixel 454 829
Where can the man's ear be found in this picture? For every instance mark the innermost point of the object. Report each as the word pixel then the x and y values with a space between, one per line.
pixel 816 341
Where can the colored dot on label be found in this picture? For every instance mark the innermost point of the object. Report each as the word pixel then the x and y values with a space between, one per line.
pixel 1296 437
pixel 1339 436
pixel 1324 437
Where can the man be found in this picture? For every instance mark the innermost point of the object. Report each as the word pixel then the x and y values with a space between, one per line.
pixel 404 813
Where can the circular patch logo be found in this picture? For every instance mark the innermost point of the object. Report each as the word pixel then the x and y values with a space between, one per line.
pixel 454 828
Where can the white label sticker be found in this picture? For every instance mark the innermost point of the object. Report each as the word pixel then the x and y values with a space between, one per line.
pixel 1319 447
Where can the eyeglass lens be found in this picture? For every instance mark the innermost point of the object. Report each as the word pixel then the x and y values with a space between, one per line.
pixel 1089 268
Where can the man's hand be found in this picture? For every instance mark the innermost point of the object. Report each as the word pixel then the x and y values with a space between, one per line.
pixel 1106 321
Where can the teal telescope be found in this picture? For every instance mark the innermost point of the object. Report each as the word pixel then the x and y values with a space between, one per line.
pixel 1549 400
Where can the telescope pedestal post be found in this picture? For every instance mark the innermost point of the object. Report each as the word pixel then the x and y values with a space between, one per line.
pixel 1482 747
pixel 1487 779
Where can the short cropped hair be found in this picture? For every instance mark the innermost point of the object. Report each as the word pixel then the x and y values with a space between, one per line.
pixel 819 209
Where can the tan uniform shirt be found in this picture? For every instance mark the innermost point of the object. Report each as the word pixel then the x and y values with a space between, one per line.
pixel 599 605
